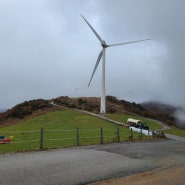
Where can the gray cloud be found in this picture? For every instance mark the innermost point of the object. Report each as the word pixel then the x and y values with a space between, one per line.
pixel 47 50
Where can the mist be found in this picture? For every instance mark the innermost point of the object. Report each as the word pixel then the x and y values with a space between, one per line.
pixel 180 118
pixel 47 50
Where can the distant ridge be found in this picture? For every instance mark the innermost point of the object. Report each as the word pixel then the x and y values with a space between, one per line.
pixel 32 108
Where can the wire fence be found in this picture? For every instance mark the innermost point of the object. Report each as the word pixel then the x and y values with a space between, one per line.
pixel 46 139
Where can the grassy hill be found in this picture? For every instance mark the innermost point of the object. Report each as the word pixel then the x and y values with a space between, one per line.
pixel 64 126
pixel 92 104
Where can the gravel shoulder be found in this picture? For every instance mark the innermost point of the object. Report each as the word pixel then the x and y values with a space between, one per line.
pixel 160 176
pixel 168 154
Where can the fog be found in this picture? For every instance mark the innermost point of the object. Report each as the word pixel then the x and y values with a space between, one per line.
pixel 47 50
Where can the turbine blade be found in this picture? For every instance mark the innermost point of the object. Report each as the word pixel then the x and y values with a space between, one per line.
pixel 95 67
pixel 99 38
pixel 124 43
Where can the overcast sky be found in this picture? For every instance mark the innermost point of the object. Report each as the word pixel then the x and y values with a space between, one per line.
pixel 47 50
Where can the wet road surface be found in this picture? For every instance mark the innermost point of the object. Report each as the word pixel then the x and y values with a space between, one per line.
pixel 82 165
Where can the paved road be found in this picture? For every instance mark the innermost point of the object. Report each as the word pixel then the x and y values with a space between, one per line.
pixel 82 165
pixel 173 137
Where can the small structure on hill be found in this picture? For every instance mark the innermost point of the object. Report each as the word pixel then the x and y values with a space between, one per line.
pixel 137 124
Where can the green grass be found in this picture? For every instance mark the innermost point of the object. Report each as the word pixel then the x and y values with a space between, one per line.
pixel 123 118
pixel 60 130
pixel 176 131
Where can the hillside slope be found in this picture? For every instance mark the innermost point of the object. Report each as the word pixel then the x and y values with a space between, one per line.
pixel 25 110
pixel 91 104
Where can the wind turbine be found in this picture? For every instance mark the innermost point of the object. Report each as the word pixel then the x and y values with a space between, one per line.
pixel 102 55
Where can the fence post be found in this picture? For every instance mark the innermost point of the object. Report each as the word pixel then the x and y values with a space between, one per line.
pixel 148 134
pixel 101 135
pixel 141 134
pixel 131 135
pixel 41 138
pixel 118 135
pixel 77 136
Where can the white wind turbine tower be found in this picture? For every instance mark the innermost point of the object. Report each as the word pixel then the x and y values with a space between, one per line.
pixel 102 55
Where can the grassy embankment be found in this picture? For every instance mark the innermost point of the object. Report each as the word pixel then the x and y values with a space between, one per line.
pixel 60 130
pixel 123 118
pixel 176 131
pixel 153 126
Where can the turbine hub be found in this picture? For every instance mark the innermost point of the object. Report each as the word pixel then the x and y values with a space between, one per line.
pixel 104 45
